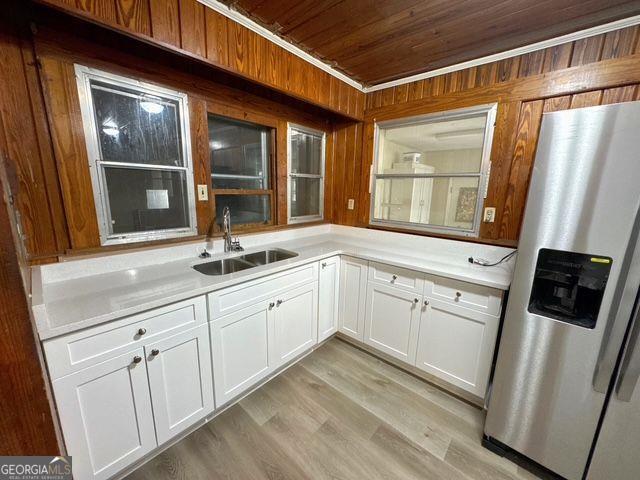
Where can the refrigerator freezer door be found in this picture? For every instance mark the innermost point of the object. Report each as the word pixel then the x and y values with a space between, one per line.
pixel 583 198
pixel 616 453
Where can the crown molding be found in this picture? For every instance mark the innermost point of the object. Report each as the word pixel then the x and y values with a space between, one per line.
pixel 571 37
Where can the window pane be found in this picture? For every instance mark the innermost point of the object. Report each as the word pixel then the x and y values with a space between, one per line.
pixel 244 208
pixel 142 200
pixel 443 201
pixel 448 146
pixel 239 149
pixel 305 196
pixel 306 153
pixel 136 128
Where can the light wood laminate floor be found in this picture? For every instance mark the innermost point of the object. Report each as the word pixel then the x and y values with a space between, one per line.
pixel 340 413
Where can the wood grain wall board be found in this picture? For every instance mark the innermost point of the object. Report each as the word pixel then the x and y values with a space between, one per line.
pixel 504 139
pixel 620 43
pixel 281 168
pixel 586 99
pixel 557 58
pixel 24 145
pixel 348 159
pixel 557 103
pixel 620 94
pixel 192 27
pixel 134 15
pixel 65 120
pixel 587 50
pixel 216 41
pixel 200 158
pixel 165 21
pixel 26 424
pixel 521 166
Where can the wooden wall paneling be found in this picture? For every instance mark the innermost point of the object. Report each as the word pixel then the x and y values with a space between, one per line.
pixel 324 89
pixel 65 119
pixel 485 75
pixel 200 157
pixel 620 94
pixel 102 9
pixel 502 149
pixel 386 97
pixel 348 160
pixel 340 165
pixel 330 179
pixel 23 145
pixel 531 63
pixel 26 423
pixel 238 37
pixel 363 202
pixel 165 21
pixel 620 43
pixel 586 99
pixel 401 94
pixel 521 166
pixel 134 15
pixel 557 103
pixel 587 50
pixel 415 91
pixel 281 173
pixel 507 69
pixel 192 27
pixel 273 57
pixel 216 34
pixel 557 58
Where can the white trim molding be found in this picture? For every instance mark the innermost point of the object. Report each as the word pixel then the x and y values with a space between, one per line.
pixel 552 42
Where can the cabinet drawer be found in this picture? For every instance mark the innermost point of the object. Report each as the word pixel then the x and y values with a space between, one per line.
pixel 233 298
pixel 476 297
pixel 79 350
pixel 396 276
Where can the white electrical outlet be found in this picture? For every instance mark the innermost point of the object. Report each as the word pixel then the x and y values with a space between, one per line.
pixel 203 193
pixel 351 203
pixel 490 214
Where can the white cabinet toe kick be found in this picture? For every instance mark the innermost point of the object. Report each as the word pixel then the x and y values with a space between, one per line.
pixel 127 389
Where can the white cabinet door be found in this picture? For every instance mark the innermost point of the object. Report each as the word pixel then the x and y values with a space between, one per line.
pixel 392 321
pixel 328 297
pixel 106 417
pixel 353 286
pixel 242 350
pixel 295 322
pixel 456 344
pixel 180 380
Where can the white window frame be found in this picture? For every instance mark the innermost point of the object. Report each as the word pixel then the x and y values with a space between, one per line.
pixel 318 133
pixel 483 174
pixel 84 75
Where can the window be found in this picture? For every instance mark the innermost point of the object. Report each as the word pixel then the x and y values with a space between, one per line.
pixel 139 156
pixel 306 174
pixel 240 154
pixel 431 172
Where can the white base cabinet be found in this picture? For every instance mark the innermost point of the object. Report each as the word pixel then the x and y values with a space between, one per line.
pixel 456 344
pixel 328 297
pixel 392 321
pixel 180 379
pixel 105 414
pixel 353 289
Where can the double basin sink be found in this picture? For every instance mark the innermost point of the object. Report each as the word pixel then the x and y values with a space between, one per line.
pixel 243 262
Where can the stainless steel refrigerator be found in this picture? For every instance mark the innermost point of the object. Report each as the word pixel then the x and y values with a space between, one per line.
pixel 564 391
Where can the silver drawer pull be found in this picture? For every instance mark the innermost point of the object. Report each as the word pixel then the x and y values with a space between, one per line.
pixel 155 352
pixel 415 300
pixel 394 278
pixel 426 303
pixel 142 331
pixel 324 264
pixel 458 295
pixel 278 303
pixel 271 305
pixel 137 359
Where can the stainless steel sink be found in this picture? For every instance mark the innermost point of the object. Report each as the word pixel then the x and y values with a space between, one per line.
pixel 237 264
pixel 223 267
pixel 268 256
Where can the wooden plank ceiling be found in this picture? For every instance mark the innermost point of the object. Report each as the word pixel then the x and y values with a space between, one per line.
pixel 375 41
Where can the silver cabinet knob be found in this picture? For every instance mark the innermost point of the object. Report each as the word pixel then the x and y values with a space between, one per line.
pixel 137 359
pixel 415 300
pixel 278 303
pixel 394 278
pixel 142 331
pixel 426 302
pixel 155 352
pixel 458 295
pixel 271 305
pixel 324 264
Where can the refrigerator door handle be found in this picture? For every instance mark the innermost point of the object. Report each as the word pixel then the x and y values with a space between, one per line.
pixel 622 308
pixel 630 366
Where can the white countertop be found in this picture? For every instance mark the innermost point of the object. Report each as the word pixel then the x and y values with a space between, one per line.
pixel 65 303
